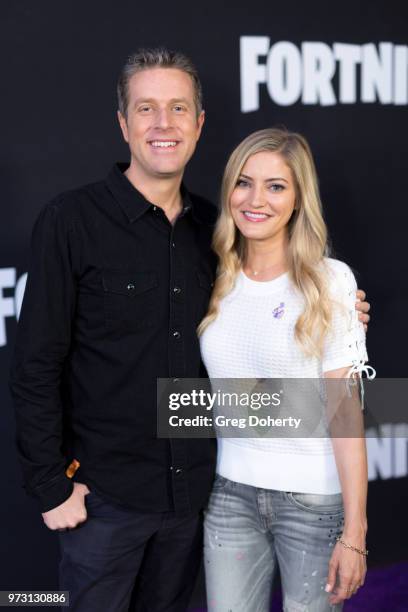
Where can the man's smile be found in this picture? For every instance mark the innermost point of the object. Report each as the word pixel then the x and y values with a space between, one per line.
pixel 163 144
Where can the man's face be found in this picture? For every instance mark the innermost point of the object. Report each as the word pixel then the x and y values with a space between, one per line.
pixel 162 127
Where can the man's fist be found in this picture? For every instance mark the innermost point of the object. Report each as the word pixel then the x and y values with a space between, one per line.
pixel 71 513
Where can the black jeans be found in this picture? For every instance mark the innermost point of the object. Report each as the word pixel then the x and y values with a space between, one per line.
pixel 122 560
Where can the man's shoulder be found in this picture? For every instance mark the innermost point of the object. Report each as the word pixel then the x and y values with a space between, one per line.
pixel 204 209
pixel 70 203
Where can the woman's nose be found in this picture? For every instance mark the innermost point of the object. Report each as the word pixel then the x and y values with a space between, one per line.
pixel 257 200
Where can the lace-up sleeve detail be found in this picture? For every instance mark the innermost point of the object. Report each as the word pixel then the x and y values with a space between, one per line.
pixel 345 344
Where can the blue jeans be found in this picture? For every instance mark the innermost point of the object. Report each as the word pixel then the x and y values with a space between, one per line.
pixel 248 531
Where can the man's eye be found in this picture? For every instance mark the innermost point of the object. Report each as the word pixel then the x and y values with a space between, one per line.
pixel 179 108
pixel 144 109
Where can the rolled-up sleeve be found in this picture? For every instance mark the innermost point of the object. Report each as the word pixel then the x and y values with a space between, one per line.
pixel 42 345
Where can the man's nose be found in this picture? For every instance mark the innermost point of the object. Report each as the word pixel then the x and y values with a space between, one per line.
pixel 163 118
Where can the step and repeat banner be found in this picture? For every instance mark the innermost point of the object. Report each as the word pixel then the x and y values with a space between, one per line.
pixel 337 73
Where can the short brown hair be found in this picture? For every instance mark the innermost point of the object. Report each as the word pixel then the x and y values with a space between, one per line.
pixel 143 59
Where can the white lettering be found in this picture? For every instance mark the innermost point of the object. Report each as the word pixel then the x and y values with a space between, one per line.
pixel 284 71
pixel 318 70
pixel 400 455
pixel 400 76
pixel 366 73
pixel 348 57
pixel 376 73
pixel 252 73
pixel 387 451
pixel 7 308
pixel 19 294
pixel 222 421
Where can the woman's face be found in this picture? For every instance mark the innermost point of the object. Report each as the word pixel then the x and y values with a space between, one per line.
pixel 264 197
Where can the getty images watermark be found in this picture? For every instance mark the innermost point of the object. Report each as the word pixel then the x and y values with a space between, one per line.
pixel 281 408
pixel 218 401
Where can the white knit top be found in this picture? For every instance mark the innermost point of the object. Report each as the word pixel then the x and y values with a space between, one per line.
pixel 253 337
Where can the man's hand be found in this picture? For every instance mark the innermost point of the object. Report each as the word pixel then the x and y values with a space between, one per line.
pixel 363 307
pixel 71 513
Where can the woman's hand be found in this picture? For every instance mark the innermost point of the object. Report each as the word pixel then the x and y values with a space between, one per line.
pixel 347 571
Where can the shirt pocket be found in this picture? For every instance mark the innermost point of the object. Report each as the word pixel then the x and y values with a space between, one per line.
pixel 130 299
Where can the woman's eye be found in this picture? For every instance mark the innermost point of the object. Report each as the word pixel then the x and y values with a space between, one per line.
pixel 242 183
pixel 276 187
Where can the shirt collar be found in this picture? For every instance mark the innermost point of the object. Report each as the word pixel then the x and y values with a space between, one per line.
pixel 134 204
pixel 130 200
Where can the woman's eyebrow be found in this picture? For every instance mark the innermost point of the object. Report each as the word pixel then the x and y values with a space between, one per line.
pixel 276 178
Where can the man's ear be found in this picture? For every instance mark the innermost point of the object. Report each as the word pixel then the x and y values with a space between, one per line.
pixel 123 126
pixel 200 123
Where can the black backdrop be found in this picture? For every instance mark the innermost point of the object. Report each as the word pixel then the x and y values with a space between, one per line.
pixel 58 130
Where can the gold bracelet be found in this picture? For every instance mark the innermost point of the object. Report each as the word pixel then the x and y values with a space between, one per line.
pixel 361 552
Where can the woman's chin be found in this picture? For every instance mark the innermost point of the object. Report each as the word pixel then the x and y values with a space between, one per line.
pixel 254 232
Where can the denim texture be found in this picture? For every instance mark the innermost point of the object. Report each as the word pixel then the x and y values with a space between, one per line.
pixel 249 532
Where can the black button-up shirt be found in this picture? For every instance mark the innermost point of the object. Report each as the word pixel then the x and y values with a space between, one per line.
pixel 113 299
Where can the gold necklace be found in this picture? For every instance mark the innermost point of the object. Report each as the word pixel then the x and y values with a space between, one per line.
pixel 257 272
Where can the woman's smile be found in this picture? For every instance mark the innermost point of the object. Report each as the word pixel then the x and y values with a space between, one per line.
pixel 255 217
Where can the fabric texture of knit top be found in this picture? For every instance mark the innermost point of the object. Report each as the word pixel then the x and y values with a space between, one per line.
pixel 253 337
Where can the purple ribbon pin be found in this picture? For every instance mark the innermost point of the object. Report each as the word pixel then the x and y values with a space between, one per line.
pixel 279 311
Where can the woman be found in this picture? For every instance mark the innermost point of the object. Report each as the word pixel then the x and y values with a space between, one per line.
pixel 282 308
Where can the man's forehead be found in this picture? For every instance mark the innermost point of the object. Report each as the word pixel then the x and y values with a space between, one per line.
pixel 168 83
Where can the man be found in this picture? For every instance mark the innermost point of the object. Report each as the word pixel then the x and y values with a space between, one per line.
pixel 120 276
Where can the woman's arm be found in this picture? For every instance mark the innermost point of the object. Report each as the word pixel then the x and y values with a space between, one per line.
pixel 347 568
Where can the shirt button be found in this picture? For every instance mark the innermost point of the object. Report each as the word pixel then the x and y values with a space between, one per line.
pixel 173 244
pixel 130 287
pixel 176 290
pixel 154 208
pixel 176 380
pixel 179 471
pixel 176 335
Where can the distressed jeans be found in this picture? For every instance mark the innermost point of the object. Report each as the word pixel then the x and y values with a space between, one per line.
pixel 249 531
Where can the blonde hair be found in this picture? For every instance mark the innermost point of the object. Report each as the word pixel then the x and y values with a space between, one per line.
pixel 307 235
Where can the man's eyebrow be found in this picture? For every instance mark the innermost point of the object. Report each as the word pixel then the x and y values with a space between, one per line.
pixel 153 100
pixel 143 101
pixel 184 100
pixel 268 180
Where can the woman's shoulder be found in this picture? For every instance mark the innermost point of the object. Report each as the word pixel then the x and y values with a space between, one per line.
pixel 338 271
pixel 340 278
pixel 336 266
